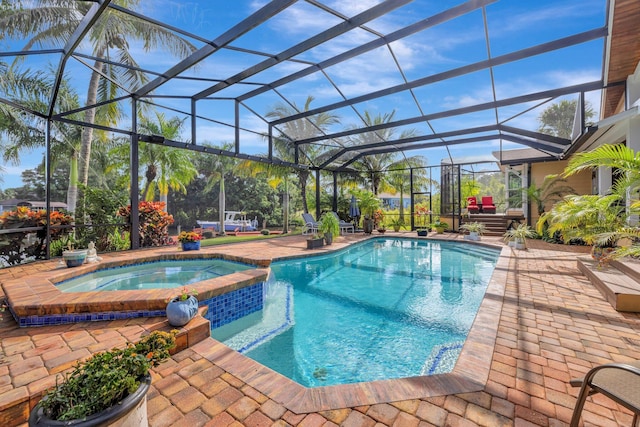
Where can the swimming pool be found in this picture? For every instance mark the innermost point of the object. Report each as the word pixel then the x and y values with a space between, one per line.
pixel 385 308
pixel 152 275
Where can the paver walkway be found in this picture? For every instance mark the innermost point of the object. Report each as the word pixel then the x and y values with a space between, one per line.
pixel 554 326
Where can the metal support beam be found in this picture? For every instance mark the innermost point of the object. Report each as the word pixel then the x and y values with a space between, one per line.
pixel 335 192
pixel 134 161
pixel 547 94
pixel 317 194
pixel 47 177
pixel 236 105
pixel 270 9
pixel 368 15
pixel 83 28
pixel 456 72
pixel 194 119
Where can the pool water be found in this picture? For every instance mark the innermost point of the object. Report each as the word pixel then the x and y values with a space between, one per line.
pixel 152 275
pixel 385 308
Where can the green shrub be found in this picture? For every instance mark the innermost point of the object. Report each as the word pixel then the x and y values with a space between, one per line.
pixel 207 234
pixel 265 232
pixel 106 378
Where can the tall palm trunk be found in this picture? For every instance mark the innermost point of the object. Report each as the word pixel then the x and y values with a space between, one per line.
pixel 72 192
pixel 89 117
pixel 303 177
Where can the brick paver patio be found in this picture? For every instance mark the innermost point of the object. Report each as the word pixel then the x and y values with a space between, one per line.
pixel 554 326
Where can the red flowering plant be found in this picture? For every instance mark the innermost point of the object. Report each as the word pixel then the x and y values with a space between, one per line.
pixel 154 222
pixel 378 217
pixel 17 246
pixel 422 212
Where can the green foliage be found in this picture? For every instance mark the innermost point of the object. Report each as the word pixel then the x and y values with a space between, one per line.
pixel 118 241
pixel 557 119
pixel 473 227
pixel 440 224
pixel 552 190
pixel 265 232
pixel 16 246
pixel 520 233
pixel 106 378
pixel 585 217
pixel 100 208
pixel 153 223
pixel 329 224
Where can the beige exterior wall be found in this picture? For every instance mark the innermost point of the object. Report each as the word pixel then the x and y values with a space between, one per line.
pixel 581 182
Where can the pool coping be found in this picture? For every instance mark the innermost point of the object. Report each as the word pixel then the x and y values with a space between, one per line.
pixel 34 300
pixel 470 373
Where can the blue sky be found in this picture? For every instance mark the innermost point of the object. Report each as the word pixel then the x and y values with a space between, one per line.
pixel 512 25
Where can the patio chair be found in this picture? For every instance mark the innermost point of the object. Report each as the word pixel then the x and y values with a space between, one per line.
pixel 344 226
pixel 472 205
pixel 618 381
pixel 487 205
pixel 310 224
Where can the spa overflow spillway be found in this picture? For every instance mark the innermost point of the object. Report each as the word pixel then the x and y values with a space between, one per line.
pixel 385 308
pixel 151 275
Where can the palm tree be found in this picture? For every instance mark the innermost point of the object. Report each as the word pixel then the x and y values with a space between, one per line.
pixel 552 190
pixel 557 119
pixel 51 21
pixel 375 165
pixel 215 168
pixel 296 130
pixel 165 167
pixel 32 91
pixel 621 159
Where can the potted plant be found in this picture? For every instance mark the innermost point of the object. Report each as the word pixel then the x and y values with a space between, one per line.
pixel 518 235
pixel 315 241
pixel 73 257
pixel 422 212
pixel 475 230
pixel 368 203
pixel 396 224
pixel 329 226
pixel 190 240
pixel 108 386
pixel 182 308
pixel 439 226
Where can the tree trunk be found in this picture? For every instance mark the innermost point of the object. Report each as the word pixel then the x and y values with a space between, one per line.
pixel 401 211
pixel 221 205
pixel 302 178
pixel 89 117
pixel 72 192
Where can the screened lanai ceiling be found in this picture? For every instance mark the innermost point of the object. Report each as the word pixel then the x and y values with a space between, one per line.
pixel 341 80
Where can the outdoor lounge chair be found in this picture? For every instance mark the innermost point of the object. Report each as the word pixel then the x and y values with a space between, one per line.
pixel 344 226
pixel 487 205
pixel 472 205
pixel 310 224
pixel 618 381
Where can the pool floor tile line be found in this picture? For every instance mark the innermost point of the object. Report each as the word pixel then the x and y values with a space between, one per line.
pixel 553 326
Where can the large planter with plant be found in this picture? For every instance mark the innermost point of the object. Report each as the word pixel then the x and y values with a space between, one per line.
pixel 368 203
pixel 315 241
pixel 190 240
pixel 474 229
pixel 74 257
pixel 181 309
pixel 422 232
pixel 329 226
pixel 519 235
pixel 440 226
pixel 107 389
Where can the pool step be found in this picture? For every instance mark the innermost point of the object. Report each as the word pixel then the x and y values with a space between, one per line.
pixel 16 404
pixel 617 281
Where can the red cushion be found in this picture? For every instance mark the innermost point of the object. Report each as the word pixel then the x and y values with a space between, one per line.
pixel 487 201
pixel 471 201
